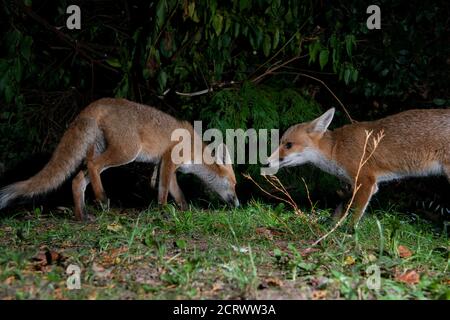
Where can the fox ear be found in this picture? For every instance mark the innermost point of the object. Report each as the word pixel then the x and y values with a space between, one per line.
pixel 321 123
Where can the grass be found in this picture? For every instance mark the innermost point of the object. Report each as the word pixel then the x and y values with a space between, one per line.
pixel 257 251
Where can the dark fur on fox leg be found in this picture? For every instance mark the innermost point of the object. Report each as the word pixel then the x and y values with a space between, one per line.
pixel 89 218
pixel 86 216
pixel 337 215
pixel 344 194
pixel 102 204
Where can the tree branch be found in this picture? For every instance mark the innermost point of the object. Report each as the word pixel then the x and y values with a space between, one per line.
pixel 77 45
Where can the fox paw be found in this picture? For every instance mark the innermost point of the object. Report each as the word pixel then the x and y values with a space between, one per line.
pixel 89 218
pixel 103 204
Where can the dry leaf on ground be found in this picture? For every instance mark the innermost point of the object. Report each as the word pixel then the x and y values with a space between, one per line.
pixel 404 251
pixel 46 257
pixel 409 277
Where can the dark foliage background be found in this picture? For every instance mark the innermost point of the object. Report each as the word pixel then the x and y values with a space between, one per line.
pixel 266 63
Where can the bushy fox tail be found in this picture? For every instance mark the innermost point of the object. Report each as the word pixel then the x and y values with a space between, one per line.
pixel 69 153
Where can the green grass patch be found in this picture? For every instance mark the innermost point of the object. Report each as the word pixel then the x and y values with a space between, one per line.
pixel 257 251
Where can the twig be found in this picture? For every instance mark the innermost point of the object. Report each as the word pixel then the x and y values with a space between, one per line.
pixel 71 42
pixel 210 89
pixel 289 201
pixel 165 24
pixel 332 93
pixel 274 68
pixel 276 53
pixel 309 198
pixel 193 94
pixel 285 45
pixel 325 85
pixel 275 182
pixel 278 66
pixel 284 191
pixel 263 190
pixel 357 186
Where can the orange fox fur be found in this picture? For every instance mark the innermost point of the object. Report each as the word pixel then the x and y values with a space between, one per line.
pixel 415 143
pixel 113 132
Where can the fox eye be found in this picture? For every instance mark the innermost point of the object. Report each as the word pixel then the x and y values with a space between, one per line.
pixel 288 145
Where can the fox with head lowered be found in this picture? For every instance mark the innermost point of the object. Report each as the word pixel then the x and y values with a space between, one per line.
pixel 114 132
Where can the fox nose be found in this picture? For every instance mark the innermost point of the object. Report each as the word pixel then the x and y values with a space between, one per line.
pixel 232 200
pixel 271 163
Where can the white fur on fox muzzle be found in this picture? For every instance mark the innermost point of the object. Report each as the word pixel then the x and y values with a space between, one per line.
pixel 274 163
pixel 293 159
pixel 271 168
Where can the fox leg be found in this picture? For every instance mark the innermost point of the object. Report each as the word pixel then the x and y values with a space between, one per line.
pixel 166 172
pixel 112 157
pixel 176 193
pixel 362 198
pixel 345 194
pixel 79 184
pixel 97 185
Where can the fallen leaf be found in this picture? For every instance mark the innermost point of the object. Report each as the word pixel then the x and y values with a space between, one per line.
pixel 92 295
pixel 366 259
pixel 349 260
pixel 307 251
pixel 100 271
pixel 8 281
pixel 217 286
pixel 40 259
pixel 219 225
pixel 113 256
pixel 54 256
pixel 147 276
pixel 274 282
pixel 409 277
pixel 319 294
pixel 404 252
pixel 265 232
pixel 270 282
pixel 46 257
pixel 115 227
pixel 319 282
pixel 58 294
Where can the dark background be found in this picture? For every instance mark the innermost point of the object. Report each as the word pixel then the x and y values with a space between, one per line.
pixel 141 49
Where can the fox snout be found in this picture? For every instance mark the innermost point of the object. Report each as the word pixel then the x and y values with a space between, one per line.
pixel 232 200
pixel 274 160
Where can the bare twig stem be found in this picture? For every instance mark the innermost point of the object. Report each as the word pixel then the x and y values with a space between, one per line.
pixel 357 186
